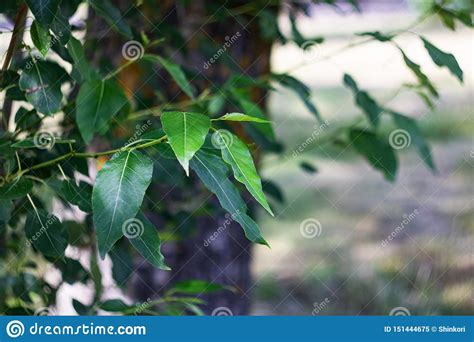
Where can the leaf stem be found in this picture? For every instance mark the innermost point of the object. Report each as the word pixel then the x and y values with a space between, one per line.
pixel 74 154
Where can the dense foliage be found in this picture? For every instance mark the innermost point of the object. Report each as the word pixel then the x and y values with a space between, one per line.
pixel 166 139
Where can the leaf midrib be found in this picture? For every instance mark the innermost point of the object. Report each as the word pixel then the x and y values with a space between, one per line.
pixel 99 103
pixel 116 198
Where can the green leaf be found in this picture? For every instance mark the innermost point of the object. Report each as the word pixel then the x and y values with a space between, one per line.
pixel 376 35
pixel 422 78
pixel 72 271
pixel 364 101
pixel 46 233
pixel 303 91
pixel 186 134
pixel 40 37
pixel 148 243
pixel 273 190
pixel 449 15
pixel 240 117
pixel 196 287
pixel 213 173
pixel 43 10
pixel 61 28
pixel 16 189
pixel 175 72
pixel 42 86
pixel 441 58
pixel 379 153
pixel 97 102
pixel 85 71
pixel 252 109
pixel 112 15
pixel 308 167
pixel 118 194
pixel 237 155
pixel 6 208
pixel 114 305
pixel 408 124
pixel 81 309
pixel 122 262
pixel 79 195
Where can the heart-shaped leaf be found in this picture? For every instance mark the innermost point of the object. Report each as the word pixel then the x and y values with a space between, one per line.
pixel 97 102
pixel 118 194
pixel 41 82
pixel 186 134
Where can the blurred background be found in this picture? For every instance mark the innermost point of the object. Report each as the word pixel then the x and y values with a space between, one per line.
pixel 344 266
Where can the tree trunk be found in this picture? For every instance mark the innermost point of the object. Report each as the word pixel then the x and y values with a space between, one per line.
pixel 226 259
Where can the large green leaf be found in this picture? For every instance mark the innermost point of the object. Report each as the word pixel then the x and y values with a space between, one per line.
pixel 364 101
pixel 148 243
pixel 46 233
pixel 213 172
pixel 409 125
pixel 238 156
pixel 112 15
pixel 186 134
pixel 118 194
pixel 44 10
pixel 16 189
pixel 41 83
pixel 378 152
pixel 441 58
pixel 97 102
